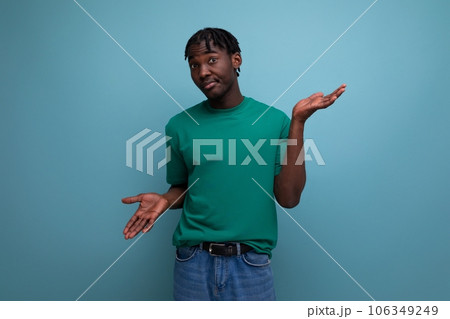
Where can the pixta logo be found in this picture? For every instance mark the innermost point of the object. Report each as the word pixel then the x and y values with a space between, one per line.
pixel 145 145
pixel 142 147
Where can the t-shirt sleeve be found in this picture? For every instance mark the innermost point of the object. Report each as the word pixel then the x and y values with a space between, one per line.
pixel 281 148
pixel 176 168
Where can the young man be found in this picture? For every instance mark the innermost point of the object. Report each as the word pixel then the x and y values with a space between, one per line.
pixel 225 168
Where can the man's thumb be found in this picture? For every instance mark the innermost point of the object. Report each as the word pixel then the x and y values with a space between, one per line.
pixel 131 199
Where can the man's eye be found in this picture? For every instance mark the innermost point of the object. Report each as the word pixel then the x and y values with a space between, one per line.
pixel 213 60
pixel 193 66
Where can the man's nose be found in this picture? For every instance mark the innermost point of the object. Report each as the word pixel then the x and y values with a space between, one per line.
pixel 204 71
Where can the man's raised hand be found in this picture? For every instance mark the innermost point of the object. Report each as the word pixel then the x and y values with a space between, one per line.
pixel 306 107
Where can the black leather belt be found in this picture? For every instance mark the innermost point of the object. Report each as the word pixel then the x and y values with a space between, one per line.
pixel 224 249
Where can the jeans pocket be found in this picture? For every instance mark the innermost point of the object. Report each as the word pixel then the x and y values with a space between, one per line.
pixel 256 260
pixel 185 253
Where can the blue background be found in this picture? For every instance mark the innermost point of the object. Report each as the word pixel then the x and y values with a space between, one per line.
pixel 70 98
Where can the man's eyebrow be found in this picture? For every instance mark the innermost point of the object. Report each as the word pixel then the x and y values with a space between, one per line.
pixel 204 52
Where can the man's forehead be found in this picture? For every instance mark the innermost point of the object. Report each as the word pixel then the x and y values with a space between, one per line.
pixel 201 48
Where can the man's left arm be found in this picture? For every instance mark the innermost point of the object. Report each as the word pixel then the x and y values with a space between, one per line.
pixel 289 184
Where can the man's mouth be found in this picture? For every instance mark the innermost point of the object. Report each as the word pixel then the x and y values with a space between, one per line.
pixel 208 85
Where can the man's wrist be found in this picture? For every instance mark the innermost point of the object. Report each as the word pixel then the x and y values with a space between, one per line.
pixel 297 125
pixel 174 197
pixel 166 198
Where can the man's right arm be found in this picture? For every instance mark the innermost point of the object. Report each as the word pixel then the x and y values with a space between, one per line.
pixel 151 206
pixel 175 196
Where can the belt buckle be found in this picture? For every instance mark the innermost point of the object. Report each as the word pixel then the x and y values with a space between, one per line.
pixel 210 248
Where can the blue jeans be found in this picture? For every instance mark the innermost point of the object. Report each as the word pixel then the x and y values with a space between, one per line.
pixel 200 276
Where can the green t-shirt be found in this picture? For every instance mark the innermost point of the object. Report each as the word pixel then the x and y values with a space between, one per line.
pixel 226 154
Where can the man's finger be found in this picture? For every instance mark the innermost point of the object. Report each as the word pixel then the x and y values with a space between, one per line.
pixel 315 95
pixel 148 226
pixel 130 235
pixel 131 221
pixel 129 224
pixel 339 90
pixel 337 93
pixel 132 199
pixel 325 101
pixel 136 227
pixel 142 223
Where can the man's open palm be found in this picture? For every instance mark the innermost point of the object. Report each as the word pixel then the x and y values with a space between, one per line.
pixel 306 107
pixel 151 206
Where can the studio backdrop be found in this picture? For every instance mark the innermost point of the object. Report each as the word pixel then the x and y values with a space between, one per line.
pixel 87 86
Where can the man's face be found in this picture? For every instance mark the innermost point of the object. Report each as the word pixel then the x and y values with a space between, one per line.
pixel 214 70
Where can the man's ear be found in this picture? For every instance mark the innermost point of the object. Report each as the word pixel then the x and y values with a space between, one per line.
pixel 236 60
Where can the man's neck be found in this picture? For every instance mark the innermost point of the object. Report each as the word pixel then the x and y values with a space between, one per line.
pixel 228 101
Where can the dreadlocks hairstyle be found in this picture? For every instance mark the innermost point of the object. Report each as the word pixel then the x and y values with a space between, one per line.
pixel 219 37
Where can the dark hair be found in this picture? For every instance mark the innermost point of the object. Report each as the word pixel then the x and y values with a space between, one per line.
pixel 220 37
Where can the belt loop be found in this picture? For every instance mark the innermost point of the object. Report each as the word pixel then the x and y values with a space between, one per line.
pixel 238 248
pixel 201 246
